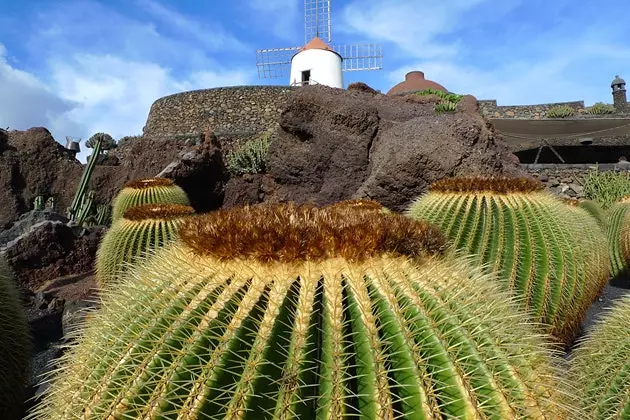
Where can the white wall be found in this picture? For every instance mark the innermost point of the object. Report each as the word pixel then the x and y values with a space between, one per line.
pixel 325 67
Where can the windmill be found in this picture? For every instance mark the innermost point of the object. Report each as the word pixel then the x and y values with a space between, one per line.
pixel 318 61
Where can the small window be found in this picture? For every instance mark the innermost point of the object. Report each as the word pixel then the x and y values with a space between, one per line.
pixel 306 76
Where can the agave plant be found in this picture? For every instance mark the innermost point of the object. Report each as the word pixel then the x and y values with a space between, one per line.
pixel 295 312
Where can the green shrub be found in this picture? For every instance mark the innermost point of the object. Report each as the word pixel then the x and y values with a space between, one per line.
pixel 445 106
pixel 601 108
pixel 249 158
pixel 606 187
pixel 560 111
pixel 445 96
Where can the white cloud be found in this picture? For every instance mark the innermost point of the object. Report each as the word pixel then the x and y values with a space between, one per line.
pixel 513 61
pixel 94 79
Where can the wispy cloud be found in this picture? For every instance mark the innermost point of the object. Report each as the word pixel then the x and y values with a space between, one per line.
pixel 517 51
pixel 99 70
pixel 282 17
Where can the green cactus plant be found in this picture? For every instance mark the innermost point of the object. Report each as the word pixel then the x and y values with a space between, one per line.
pixel 147 191
pixel 616 217
pixel 286 312
pixel 560 111
pixel 38 202
pixel 141 229
pixel 445 106
pixel 98 142
pixel 528 238
pixel 103 214
pixel 601 108
pixel 600 363
pixel 596 211
pixel 15 346
pixel 50 203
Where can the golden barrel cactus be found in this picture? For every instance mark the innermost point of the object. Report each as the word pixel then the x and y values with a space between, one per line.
pixel 147 191
pixel 295 312
pixel 544 249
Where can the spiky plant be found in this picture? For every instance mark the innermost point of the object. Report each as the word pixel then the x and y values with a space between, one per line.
pixel 141 228
pixel 147 191
pixel 363 204
pixel 600 363
pixel 15 346
pixel 616 216
pixel 285 312
pixel 527 237
pixel 595 210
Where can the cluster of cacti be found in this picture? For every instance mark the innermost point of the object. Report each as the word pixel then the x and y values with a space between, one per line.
pixel 97 142
pixel 601 108
pixel 445 106
pixel 552 257
pixel 147 191
pixel 600 365
pixel 296 312
pixel 140 230
pixel 250 157
pixel 560 111
pixel 15 346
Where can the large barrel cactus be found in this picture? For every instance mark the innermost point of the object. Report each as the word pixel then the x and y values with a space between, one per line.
pixel 600 365
pixel 532 240
pixel 15 347
pixel 595 210
pixel 141 229
pixel 617 215
pixel 147 191
pixel 294 312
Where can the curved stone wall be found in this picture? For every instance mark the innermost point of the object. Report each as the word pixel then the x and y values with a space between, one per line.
pixel 238 110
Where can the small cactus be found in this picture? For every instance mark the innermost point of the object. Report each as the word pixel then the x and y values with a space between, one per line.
pixel 560 111
pixel 528 238
pixel 601 108
pixel 142 228
pixel 147 191
pixel 38 203
pixel 285 312
pixel 445 106
pixel 15 347
pixel 600 363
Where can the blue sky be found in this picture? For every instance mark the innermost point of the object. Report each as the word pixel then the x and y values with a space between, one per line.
pixel 82 66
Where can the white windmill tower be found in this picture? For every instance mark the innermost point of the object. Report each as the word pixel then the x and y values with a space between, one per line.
pixel 317 62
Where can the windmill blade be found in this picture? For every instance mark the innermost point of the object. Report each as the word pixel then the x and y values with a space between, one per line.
pixel 360 56
pixel 275 62
pixel 317 20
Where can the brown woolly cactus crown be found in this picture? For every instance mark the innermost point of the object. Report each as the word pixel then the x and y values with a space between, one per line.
pixel 571 201
pixel 157 211
pixel 286 233
pixel 140 184
pixel 361 203
pixel 497 185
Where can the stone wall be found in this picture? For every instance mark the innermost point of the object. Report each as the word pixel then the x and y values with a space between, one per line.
pixel 565 180
pixel 490 109
pixel 239 110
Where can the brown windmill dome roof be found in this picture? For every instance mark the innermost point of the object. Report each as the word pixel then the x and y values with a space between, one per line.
pixel 415 82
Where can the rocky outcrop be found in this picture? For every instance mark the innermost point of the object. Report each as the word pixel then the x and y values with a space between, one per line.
pixel 334 145
pixel 51 249
pixel 32 163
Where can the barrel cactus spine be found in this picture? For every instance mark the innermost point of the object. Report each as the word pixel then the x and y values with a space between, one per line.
pixel 141 229
pixel 518 231
pixel 600 363
pixel 616 215
pixel 270 312
pixel 15 346
pixel 147 191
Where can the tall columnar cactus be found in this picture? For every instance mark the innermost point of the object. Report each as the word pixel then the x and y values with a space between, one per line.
pixel 528 238
pixel 599 365
pixel 97 142
pixel 284 312
pixel 147 191
pixel 15 347
pixel 141 229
